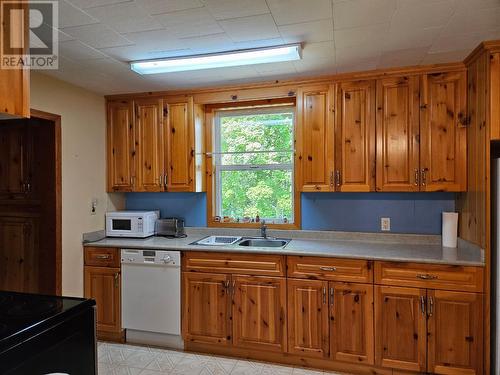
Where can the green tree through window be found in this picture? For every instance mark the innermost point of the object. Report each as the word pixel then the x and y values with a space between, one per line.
pixel 254 164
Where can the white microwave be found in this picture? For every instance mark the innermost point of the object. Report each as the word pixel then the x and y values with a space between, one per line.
pixel 138 224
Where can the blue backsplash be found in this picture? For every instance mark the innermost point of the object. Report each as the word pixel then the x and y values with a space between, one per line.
pixel 354 212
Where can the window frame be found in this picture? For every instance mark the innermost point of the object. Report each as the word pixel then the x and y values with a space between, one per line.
pixel 213 114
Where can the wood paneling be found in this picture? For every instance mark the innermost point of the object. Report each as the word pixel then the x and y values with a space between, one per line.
pixel 206 310
pixel 351 317
pixel 443 132
pixel 243 264
pixel 400 328
pixel 494 88
pixel 434 276
pixel 104 286
pixel 398 132
pixel 455 332
pixel 102 256
pixel 148 145
pixel 335 269
pixel 120 146
pixel 259 313
pixel 355 136
pixel 14 165
pixel 314 138
pixel 308 325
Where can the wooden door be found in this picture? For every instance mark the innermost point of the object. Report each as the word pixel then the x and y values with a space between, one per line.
pixel 13 160
pixel 398 134
pixel 179 147
pixel 206 310
pixel 400 328
pixel 104 286
pixel 443 136
pixel 308 325
pixel 455 332
pixel 18 254
pixel 259 313
pixel 120 146
pixel 355 136
pixel 351 317
pixel 148 145
pixel 314 138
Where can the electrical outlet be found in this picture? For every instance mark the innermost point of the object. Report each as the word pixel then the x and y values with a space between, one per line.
pixel 385 224
pixel 93 206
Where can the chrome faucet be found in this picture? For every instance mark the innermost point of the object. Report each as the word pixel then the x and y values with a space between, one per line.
pixel 263 229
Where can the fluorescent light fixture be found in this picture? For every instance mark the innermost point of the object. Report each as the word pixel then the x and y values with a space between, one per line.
pixel 287 52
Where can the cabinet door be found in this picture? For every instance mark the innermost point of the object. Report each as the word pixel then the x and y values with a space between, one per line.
pixel 400 328
pixel 120 146
pixel 308 325
pixel 355 136
pixel 455 332
pixel 13 160
pixel 18 254
pixel 206 310
pixel 314 138
pixel 259 318
pixel 443 138
pixel 397 134
pixel 103 285
pixel 351 316
pixel 179 147
pixel 148 147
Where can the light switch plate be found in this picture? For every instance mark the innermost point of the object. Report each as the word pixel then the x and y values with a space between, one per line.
pixel 93 206
pixel 385 224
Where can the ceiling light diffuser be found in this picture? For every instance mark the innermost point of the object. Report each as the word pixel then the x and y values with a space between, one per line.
pixel 287 52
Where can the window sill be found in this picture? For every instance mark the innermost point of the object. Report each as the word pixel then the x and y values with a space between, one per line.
pixel 215 224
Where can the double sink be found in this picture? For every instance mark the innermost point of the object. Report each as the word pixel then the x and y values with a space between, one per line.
pixel 243 241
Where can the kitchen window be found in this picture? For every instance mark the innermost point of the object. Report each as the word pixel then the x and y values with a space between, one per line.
pixel 253 164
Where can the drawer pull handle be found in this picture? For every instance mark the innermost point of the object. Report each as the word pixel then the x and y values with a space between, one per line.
pixel 103 257
pixel 325 268
pixel 426 276
pixel 324 296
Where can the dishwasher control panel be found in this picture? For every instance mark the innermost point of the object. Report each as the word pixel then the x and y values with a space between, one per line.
pixel 152 257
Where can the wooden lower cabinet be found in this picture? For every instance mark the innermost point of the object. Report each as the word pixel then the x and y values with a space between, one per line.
pixel 103 284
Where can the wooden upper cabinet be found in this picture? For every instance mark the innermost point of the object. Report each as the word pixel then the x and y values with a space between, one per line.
pixel 352 330
pixel 308 325
pixel 206 312
pixel 443 132
pixel 259 313
pixel 120 146
pixel 400 328
pixel 314 138
pixel 494 87
pixel 397 129
pixel 103 285
pixel 355 136
pixel 15 83
pixel 455 332
pixel 148 145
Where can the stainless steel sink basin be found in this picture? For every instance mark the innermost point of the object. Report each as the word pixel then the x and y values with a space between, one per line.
pixel 263 242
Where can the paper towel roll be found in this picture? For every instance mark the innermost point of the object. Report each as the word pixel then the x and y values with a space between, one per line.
pixel 449 231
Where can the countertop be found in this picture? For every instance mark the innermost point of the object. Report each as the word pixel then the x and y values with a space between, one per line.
pixel 371 246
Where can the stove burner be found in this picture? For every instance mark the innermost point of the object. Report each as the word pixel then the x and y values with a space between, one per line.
pixel 14 307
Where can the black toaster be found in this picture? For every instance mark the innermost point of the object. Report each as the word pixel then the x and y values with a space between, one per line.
pixel 170 227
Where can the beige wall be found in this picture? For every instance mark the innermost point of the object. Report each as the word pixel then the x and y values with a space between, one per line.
pixel 83 167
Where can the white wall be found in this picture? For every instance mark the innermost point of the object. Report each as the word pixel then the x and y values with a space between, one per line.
pixel 83 128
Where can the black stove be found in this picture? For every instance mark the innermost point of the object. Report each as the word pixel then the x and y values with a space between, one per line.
pixel 42 334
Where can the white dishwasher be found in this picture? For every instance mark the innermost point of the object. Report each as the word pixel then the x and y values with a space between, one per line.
pixel 151 297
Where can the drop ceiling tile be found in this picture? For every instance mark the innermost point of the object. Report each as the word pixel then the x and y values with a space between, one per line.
pixel 411 14
pixel 125 17
pixel 444 57
pixel 405 57
pixel 359 65
pixel 357 13
pixel 371 34
pixel 63 37
pixel 189 23
pixel 210 43
pixel 108 66
pixel 166 6
pixel 296 11
pixel 400 38
pixel 69 16
pixel 470 20
pixel 284 67
pixel 320 50
pixel 313 31
pixel 226 9
pixel 97 36
pixel 476 4
pixel 320 66
pixel 85 4
pixel 139 52
pixel 156 40
pixel 259 43
pixel 250 28
pixel 449 43
pixel 351 55
pixel 76 50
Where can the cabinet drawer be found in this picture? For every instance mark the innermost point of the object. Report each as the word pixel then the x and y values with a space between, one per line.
pixel 102 256
pixel 350 270
pixel 431 276
pixel 246 264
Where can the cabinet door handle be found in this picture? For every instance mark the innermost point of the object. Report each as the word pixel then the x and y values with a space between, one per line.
pixel 324 296
pixel 424 177
pixel 165 180
pixel 117 275
pixel 332 179
pixel 431 306
pixel 326 268
pixel 337 177
pixel 422 304
pixel 417 182
pixel 332 296
pixel 426 276
pixel 103 256
pixel 233 288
